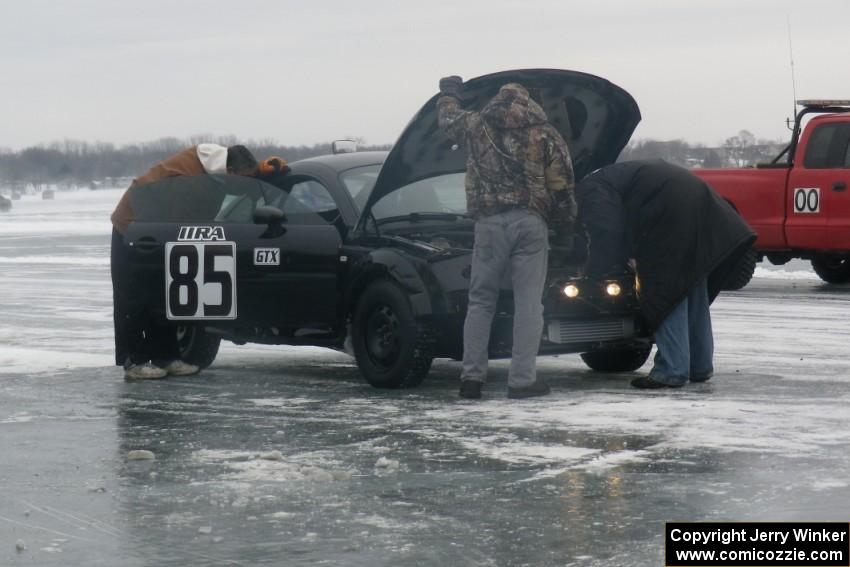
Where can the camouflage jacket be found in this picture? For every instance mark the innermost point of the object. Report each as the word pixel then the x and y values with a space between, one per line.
pixel 514 157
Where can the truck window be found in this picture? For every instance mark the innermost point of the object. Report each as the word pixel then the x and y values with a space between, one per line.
pixel 828 147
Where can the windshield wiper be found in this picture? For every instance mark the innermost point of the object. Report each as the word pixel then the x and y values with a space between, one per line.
pixel 419 217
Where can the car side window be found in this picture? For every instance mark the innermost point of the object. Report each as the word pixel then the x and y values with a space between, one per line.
pixel 309 202
pixel 818 148
pixel 846 163
pixel 201 198
pixel 829 147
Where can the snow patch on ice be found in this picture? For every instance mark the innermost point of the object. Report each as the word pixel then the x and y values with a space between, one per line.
pixel 252 468
pixel 766 273
pixel 519 451
pixel 280 402
pixel 20 417
pixel 20 360
pixel 56 228
pixel 280 515
pixel 828 484
pixel 678 420
pixel 56 260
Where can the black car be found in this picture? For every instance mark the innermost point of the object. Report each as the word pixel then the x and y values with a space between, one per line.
pixel 370 252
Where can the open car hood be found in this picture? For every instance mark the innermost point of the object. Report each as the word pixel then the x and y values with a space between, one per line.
pixel 595 117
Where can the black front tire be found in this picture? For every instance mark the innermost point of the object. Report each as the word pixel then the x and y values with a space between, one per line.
pixel 617 360
pixel 196 346
pixel 832 269
pixel 743 272
pixel 392 349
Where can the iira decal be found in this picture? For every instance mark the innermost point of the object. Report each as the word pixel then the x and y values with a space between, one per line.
pixel 200 233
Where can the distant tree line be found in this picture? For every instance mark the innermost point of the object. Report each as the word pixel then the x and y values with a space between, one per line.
pixel 741 150
pixel 78 163
pixel 73 162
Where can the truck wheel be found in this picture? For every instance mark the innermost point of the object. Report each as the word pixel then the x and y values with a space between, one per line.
pixel 616 360
pixel 196 346
pixel 392 349
pixel 832 269
pixel 743 271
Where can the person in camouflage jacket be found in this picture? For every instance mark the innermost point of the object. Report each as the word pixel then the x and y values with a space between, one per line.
pixel 519 181
pixel 514 157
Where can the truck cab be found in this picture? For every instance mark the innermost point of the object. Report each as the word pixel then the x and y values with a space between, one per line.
pixel 799 203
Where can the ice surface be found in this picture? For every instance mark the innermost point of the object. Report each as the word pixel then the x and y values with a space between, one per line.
pixel 287 456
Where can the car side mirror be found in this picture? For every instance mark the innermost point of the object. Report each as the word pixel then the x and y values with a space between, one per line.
pixel 344 146
pixel 268 215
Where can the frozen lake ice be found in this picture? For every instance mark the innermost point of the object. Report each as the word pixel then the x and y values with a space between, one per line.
pixel 285 456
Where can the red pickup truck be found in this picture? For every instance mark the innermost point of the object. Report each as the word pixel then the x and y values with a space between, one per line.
pixel 799 203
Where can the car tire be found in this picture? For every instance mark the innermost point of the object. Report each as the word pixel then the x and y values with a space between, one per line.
pixel 832 269
pixel 743 271
pixel 392 349
pixel 196 346
pixel 616 360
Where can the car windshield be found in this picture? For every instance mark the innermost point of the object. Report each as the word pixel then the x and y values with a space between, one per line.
pixel 440 194
pixel 359 181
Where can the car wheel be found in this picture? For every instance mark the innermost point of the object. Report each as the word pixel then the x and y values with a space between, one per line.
pixel 616 360
pixel 743 271
pixel 196 346
pixel 392 349
pixel 832 269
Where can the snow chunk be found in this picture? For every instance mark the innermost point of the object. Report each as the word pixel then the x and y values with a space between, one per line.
pixel 272 456
pixel 387 464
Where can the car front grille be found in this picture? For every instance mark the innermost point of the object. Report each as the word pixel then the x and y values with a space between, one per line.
pixel 564 331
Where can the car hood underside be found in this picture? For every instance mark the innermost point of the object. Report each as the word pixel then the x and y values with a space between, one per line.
pixel 594 116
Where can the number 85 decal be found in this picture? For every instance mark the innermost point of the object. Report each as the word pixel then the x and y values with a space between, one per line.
pixel 200 280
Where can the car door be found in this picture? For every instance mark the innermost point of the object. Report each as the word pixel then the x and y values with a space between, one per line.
pixel 313 225
pixel 818 195
pixel 194 239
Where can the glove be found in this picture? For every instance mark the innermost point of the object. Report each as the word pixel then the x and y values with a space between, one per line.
pixel 272 165
pixel 450 86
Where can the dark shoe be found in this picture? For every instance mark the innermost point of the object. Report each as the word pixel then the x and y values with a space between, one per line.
pixel 539 388
pixel 470 389
pixel 647 383
pixel 699 379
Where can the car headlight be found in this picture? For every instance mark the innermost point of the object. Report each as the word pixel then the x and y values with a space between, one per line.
pixel 613 289
pixel 571 290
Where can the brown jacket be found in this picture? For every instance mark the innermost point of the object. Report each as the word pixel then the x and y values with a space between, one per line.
pixel 183 163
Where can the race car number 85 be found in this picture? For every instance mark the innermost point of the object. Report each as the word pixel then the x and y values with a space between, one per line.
pixel 200 280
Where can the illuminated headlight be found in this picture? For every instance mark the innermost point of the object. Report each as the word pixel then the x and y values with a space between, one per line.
pixel 613 289
pixel 571 290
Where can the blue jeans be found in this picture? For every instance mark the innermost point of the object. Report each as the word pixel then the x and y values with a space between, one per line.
pixel 517 241
pixel 685 342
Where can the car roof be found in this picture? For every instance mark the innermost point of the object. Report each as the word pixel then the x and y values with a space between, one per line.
pixel 341 162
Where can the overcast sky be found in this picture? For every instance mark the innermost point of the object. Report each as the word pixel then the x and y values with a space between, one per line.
pixel 303 72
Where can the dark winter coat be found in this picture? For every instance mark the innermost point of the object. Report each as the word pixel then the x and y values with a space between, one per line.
pixel 671 222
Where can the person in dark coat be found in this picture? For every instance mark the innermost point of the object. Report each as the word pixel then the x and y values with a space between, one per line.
pixel 685 241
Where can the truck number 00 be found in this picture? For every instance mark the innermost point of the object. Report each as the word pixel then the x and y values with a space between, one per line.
pixel 807 200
